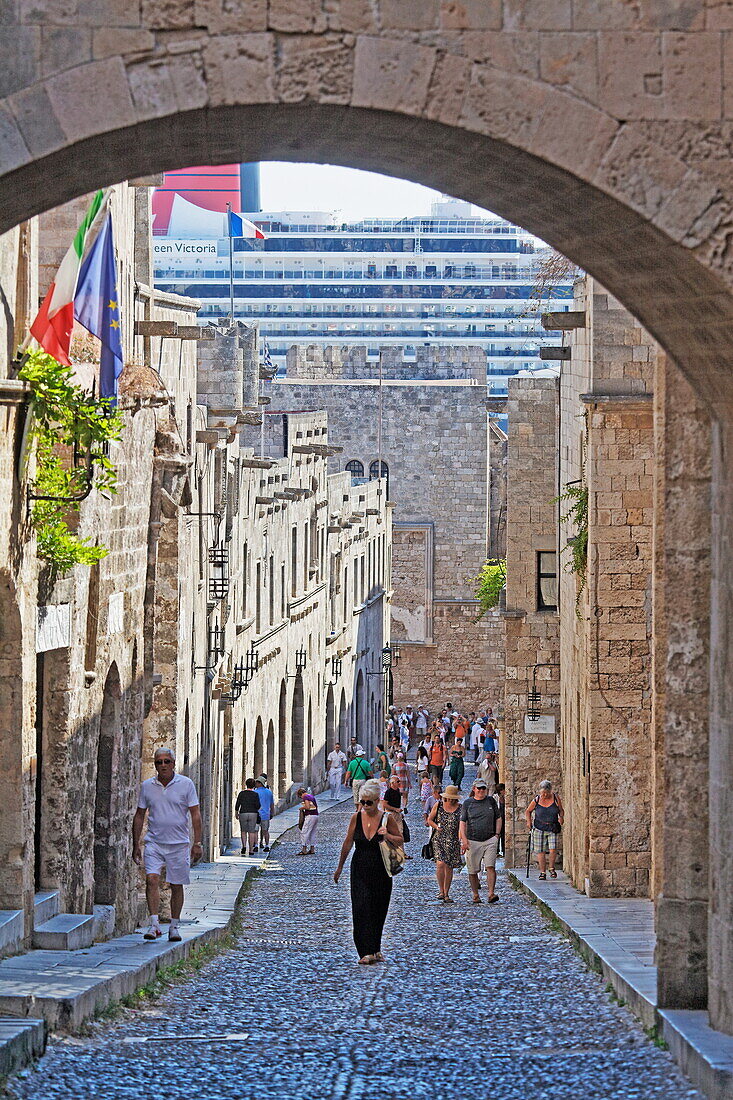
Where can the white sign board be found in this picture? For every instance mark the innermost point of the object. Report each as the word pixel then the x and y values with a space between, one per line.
pixel 116 613
pixel 544 724
pixel 53 627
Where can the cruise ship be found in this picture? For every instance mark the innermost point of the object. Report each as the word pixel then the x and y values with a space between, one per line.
pixel 447 278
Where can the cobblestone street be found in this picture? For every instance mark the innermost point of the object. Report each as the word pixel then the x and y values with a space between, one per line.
pixel 472 1001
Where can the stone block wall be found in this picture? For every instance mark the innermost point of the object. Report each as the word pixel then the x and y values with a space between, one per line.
pixel 315 361
pixel 607 445
pixel 531 753
pixel 434 443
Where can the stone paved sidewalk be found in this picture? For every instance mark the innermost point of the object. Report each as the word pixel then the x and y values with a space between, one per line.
pixel 65 988
pixel 473 1001
pixel 617 934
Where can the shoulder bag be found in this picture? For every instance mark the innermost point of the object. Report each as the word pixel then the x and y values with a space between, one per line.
pixel 393 858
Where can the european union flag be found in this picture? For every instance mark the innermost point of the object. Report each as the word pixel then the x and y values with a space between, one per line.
pixel 97 307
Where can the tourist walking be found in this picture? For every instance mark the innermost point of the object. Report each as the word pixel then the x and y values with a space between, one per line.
pixel 457 767
pixel 477 738
pixel 247 810
pixel 267 802
pixel 168 798
pixel 545 828
pixel 401 772
pixel 381 762
pixel 358 771
pixel 421 724
pixel 307 822
pixel 488 771
pixel 336 763
pixel 437 759
pixel 422 762
pixel 371 886
pixel 479 830
pixel 444 819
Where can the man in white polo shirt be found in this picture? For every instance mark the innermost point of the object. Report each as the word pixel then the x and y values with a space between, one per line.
pixel 168 799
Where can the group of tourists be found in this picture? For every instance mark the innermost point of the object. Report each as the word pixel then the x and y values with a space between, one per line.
pixel 469 831
pixel 462 831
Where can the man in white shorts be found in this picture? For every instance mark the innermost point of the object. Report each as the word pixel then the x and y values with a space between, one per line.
pixel 168 799
pixel 479 830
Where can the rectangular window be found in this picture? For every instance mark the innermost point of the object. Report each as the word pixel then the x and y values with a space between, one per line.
pixel 282 591
pixel 305 558
pixel 346 590
pixel 258 599
pixel 271 580
pixel 294 564
pixel 245 579
pixel 546 580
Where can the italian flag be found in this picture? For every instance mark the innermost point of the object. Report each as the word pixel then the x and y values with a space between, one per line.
pixel 55 321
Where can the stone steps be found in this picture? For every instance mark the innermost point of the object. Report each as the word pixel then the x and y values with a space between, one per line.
pixel 46 904
pixel 65 932
pixel 11 931
pixel 21 1042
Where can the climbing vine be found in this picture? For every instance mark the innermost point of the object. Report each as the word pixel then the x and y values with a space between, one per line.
pixel 576 496
pixel 71 429
pixel 489 583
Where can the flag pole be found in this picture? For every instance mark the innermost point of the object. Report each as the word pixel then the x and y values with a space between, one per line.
pixel 231 264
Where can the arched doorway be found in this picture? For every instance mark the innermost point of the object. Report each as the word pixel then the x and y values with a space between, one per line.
pixel 343 722
pixel 105 849
pixel 330 720
pixel 297 733
pixel 310 774
pixel 270 755
pixel 361 731
pixel 258 765
pixel 282 743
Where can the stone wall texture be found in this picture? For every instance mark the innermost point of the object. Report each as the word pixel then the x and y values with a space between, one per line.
pixel 214 552
pixel 434 444
pixel 530 754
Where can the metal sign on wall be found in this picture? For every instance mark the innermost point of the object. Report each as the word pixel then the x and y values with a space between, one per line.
pixel 544 724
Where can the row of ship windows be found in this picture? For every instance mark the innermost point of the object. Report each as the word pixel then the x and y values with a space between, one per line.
pixel 381 244
pixel 300 290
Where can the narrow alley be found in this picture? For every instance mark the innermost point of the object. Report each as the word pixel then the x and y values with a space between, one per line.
pixel 472 1001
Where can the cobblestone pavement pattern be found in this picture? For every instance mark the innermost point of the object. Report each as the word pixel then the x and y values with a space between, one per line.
pixel 473 1000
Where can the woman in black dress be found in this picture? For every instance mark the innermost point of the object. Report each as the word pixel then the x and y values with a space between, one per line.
pixel 371 886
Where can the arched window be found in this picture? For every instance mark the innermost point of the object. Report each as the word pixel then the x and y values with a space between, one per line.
pixel 355 468
pixel 374 472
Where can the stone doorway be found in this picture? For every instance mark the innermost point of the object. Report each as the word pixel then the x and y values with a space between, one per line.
pixel 258 764
pixel 297 732
pixel 105 856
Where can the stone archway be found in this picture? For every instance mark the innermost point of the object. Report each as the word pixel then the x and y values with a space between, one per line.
pixel 258 763
pixel 105 848
pixel 282 743
pixel 330 720
pixel 270 754
pixel 607 152
pixel 297 733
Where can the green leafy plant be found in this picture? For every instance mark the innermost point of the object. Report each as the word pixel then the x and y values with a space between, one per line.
pixel 576 496
pixel 67 424
pixel 489 583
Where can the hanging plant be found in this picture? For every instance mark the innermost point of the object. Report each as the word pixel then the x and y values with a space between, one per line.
pixel 71 429
pixel 489 583
pixel 577 515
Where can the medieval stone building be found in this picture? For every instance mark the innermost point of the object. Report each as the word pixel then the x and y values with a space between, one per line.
pixel 599 467
pixel 237 616
pixel 425 418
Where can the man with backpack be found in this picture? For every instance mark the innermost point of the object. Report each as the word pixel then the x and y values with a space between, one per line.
pixel 358 771
pixel 479 831
pixel 544 830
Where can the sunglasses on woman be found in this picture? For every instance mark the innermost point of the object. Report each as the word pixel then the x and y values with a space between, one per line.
pixel 366 801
